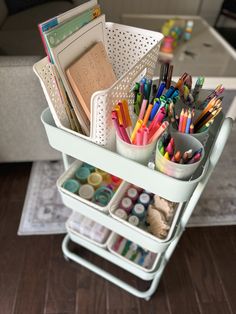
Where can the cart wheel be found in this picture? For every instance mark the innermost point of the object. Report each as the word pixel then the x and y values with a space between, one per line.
pixel 66 258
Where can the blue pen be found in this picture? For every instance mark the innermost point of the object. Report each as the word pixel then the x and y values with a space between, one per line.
pixel 170 92
pixel 155 108
pixel 175 94
pixel 160 90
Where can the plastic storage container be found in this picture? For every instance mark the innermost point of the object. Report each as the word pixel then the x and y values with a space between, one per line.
pixel 133 53
pixel 65 194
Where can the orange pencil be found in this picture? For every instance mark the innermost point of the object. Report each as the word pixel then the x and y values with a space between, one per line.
pixel 147 114
pixel 185 118
pixel 208 107
pixel 212 116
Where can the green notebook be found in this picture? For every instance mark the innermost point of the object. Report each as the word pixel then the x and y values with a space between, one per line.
pixel 59 33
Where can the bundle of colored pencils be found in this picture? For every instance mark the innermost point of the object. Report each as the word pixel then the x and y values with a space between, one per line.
pixel 166 147
pixel 185 124
pixel 208 115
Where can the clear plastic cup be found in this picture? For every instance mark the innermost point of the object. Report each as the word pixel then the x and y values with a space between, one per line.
pixel 183 142
pixel 141 153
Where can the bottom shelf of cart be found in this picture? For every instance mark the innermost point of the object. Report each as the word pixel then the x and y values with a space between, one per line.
pixel 104 253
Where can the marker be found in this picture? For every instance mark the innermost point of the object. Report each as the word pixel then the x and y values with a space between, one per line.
pixel 170 92
pixel 122 114
pixel 145 135
pixel 155 108
pixel 137 126
pixel 126 110
pixel 160 90
pixel 147 114
pixel 198 87
pixel 158 118
pixel 195 158
pixel 177 156
pixel 116 124
pixel 162 150
pixel 143 108
pixel 124 134
pixel 159 132
pixel 167 156
pixel 170 149
pixel 139 137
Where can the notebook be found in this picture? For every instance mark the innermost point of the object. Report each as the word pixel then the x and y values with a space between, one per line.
pixel 90 73
pixel 68 51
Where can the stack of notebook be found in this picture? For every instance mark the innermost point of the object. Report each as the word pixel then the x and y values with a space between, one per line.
pixel 74 43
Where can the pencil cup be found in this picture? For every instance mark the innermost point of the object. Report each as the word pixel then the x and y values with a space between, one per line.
pixel 183 142
pixel 141 154
pixel 202 137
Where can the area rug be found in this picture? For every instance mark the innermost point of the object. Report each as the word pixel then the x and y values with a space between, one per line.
pixel 44 213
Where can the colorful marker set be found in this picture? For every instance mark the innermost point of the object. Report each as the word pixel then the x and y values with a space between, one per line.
pixel 143 132
pixel 167 149
pixel 134 253
pixel 133 206
pixel 93 184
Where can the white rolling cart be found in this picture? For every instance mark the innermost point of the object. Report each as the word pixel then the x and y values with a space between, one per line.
pixel 186 192
pixel 86 149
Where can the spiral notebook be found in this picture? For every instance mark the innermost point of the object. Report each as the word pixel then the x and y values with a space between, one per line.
pixel 90 73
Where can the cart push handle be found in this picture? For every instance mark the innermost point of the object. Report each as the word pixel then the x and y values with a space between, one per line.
pixel 223 134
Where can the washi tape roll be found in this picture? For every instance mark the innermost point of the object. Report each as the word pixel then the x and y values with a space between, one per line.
pixel 126 204
pixel 71 185
pixel 102 196
pixel 95 179
pixel 121 213
pixel 139 211
pixel 86 191
pixel 133 220
pixel 82 174
pixel 144 199
pixel 132 193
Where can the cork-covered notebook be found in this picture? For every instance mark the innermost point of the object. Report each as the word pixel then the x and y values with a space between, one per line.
pixel 90 73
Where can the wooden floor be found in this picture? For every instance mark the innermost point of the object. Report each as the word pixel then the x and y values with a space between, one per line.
pixel 35 278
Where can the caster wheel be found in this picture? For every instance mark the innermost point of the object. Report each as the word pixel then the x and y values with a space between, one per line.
pixel 147 298
pixel 66 258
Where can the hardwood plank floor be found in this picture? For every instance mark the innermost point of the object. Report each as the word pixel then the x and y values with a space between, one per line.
pixel 35 278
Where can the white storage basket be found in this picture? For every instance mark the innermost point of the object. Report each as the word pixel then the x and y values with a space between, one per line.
pixel 74 233
pixel 65 194
pixel 112 240
pixel 133 53
pixel 114 204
